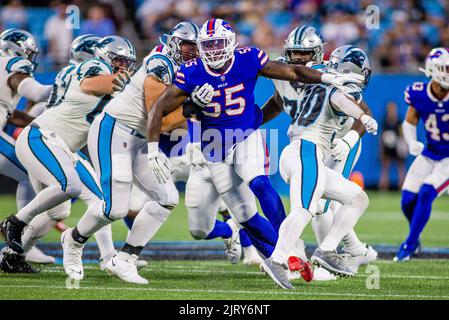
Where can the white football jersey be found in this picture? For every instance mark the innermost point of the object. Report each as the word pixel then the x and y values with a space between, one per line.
pixel 71 119
pixel 313 116
pixel 60 85
pixel 9 98
pixel 128 106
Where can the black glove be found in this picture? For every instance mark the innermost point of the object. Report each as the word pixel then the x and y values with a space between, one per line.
pixel 190 108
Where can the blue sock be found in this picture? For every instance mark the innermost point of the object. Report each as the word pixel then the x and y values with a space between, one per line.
pixel 244 239
pixel 129 222
pixel 421 215
pixel 408 204
pixel 261 233
pixel 269 200
pixel 221 229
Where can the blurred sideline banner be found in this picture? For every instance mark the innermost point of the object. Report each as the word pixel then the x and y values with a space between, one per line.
pixel 381 90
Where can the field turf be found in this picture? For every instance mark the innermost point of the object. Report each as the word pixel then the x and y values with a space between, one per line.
pixel 382 224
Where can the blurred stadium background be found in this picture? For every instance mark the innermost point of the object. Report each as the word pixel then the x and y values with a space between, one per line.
pixel 406 32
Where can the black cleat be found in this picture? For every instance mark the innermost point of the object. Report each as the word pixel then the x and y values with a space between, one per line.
pixel 12 231
pixel 15 263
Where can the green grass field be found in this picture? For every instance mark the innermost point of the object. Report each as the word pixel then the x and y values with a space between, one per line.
pixel 383 223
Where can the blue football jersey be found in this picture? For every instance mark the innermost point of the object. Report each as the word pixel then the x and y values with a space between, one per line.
pixel 435 115
pixel 232 110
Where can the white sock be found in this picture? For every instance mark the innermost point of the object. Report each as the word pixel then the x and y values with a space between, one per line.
pixel 321 225
pixel 48 198
pixel 147 223
pixel 344 220
pixel 353 245
pixel 24 194
pixel 92 221
pixel 36 229
pixel 104 241
pixel 299 250
pixel 289 233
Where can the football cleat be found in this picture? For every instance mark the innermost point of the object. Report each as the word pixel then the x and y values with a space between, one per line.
pixel 123 266
pixel 305 269
pixel 405 252
pixel 15 263
pixel 277 272
pixel 355 261
pixel 35 255
pixel 72 256
pixel 321 274
pixel 12 231
pixel 332 262
pixel 251 257
pixel 418 249
pixel 140 264
pixel 233 248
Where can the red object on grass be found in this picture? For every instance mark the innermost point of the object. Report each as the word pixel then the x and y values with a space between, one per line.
pixel 304 268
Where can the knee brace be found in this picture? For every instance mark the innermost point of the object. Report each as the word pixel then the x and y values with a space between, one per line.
pixel 198 234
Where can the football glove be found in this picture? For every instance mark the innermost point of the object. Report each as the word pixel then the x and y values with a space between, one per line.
pixel 203 95
pixel 120 81
pixel 158 163
pixel 369 123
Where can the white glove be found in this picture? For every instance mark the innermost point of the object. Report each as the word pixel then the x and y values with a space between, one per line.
pixel 120 81
pixel 203 95
pixel 338 79
pixel 342 147
pixel 158 163
pixel 369 123
pixel 415 148
pixel 195 154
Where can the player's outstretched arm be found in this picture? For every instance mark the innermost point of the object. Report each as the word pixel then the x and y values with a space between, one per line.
pixel 20 119
pixel 409 131
pixel 104 84
pixel 169 100
pixel 29 88
pixel 272 108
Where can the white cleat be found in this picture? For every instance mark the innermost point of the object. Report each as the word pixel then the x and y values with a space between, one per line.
pixel 251 257
pixel 321 274
pixel 233 248
pixel 355 261
pixel 123 266
pixel 35 255
pixel 72 256
pixel 140 264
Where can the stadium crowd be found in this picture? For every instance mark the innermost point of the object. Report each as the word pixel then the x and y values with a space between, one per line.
pixel 408 29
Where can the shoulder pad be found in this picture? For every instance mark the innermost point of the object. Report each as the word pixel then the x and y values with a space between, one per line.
pixel 92 68
pixel 354 91
pixel 161 67
pixel 19 65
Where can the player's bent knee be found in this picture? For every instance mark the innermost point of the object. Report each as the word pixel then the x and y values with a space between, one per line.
pixel 427 193
pixel 362 200
pixel 198 234
pixel 60 212
pixel 157 210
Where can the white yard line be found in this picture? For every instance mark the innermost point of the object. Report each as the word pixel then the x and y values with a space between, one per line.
pixel 249 292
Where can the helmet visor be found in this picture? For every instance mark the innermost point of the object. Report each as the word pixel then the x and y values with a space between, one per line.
pixel 302 57
pixel 215 51
pixel 122 63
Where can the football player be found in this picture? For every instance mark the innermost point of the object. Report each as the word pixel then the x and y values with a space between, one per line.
pixel 48 145
pixel 320 112
pixel 18 53
pixel 118 149
pixel 428 177
pixel 221 85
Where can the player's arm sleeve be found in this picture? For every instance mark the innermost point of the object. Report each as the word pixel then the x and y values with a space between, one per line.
pixel 182 80
pixel 161 69
pixel 33 90
pixel 409 132
pixel 343 103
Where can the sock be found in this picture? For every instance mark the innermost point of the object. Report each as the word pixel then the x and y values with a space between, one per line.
pixel 24 194
pixel 245 241
pixel 77 237
pixel 408 204
pixel 299 250
pixel 421 215
pixel 260 228
pixel 104 240
pixel 353 245
pixel 289 233
pixel 129 222
pixel 221 229
pixel 132 249
pixel 45 200
pixel 147 223
pixel 92 221
pixel 37 229
pixel 321 225
pixel 344 221
pixel 269 200
pixel 265 248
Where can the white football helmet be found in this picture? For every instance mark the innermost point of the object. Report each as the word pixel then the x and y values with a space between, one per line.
pixel 437 66
pixel 118 52
pixel 19 43
pixel 305 39
pixel 216 43
pixel 83 48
